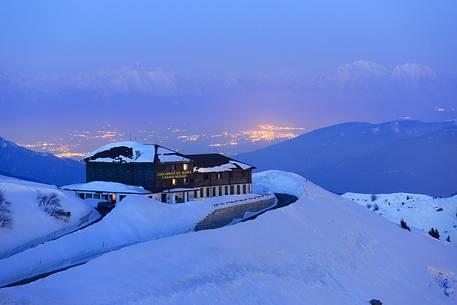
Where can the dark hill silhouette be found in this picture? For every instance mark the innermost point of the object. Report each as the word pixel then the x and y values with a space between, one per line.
pixel 409 156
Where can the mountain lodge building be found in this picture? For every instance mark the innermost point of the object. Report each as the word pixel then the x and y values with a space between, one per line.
pixel 160 173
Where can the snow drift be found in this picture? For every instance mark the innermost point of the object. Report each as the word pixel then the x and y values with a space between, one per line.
pixel 31 224
pixel 134 220
pixel 323 249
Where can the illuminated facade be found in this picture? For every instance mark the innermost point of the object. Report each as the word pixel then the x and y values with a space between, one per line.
pixel 169 176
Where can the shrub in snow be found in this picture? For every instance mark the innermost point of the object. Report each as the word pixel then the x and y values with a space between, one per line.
pixel 375 207
pixel 448 238
pixel 439 210
pixel 368 205
pixel 434 233
pixel 5 212
pixel 373 197
pixel 404 225
pixel 50 203
pixel 407 198
pixel 375 302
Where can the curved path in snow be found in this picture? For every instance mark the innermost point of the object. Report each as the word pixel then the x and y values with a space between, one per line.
pixel 283 201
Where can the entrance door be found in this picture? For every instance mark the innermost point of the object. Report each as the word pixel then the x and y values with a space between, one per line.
pixel 163 198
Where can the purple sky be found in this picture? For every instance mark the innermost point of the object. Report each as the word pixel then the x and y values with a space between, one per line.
pixel 212 66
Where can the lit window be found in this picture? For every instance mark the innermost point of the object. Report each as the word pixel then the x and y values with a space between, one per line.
pixel 173 181
pixel 219 176
pixel 185 166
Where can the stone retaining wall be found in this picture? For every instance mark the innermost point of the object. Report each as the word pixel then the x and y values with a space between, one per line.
pixel 227 215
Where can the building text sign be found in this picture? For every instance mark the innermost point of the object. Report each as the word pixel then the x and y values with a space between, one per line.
pixel 174 175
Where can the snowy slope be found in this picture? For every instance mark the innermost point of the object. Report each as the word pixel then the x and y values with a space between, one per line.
pixel 419 211
pixel 323 249
pixel 30 224
pixel 136 219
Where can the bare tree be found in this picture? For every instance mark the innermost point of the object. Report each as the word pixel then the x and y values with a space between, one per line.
pixel 50 203
pixel 6 219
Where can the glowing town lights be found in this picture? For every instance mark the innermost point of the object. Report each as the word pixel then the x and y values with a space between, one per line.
pixel 75 145
pixel 71 155
pixel 269 133
pixel 191 138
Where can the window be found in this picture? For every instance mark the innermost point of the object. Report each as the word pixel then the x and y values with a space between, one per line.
pixel 173 181
pixel 201 193
pixel 226 190
pixel 88 195
pixel 214 191
pixel 104 197
pixel 206 176
pixel 219 176
pixel 81 195
pixel 195 194
pixel 220 190
pixel 244 188
pixel 238 189
pixel 113 197
pixel 173 167
pixel 121 197
pixel 96 196
pixel 185 180
pixel 185 166
pixel 207 192
pixel 232 189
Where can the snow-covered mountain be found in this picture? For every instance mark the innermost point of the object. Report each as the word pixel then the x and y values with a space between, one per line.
pixel 418 211
pixel 399 156
pixel 322 249
pixel 32 213
pixel 17 161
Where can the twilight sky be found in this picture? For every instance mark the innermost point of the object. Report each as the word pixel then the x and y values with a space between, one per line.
pixel 204 67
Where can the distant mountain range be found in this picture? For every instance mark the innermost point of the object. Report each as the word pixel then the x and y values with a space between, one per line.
pixel 19 162
pixel 400 156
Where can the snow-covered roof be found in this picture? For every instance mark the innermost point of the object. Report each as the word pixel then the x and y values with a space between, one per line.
pixel 106 187
pixel 222 168
pixel 129 151
pixel 210 163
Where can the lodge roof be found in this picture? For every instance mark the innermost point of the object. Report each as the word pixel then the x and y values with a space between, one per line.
pixel 129 151
pixel 216 162
pixel 106 187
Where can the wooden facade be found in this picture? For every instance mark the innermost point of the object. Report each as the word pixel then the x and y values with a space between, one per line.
pixel 203 175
